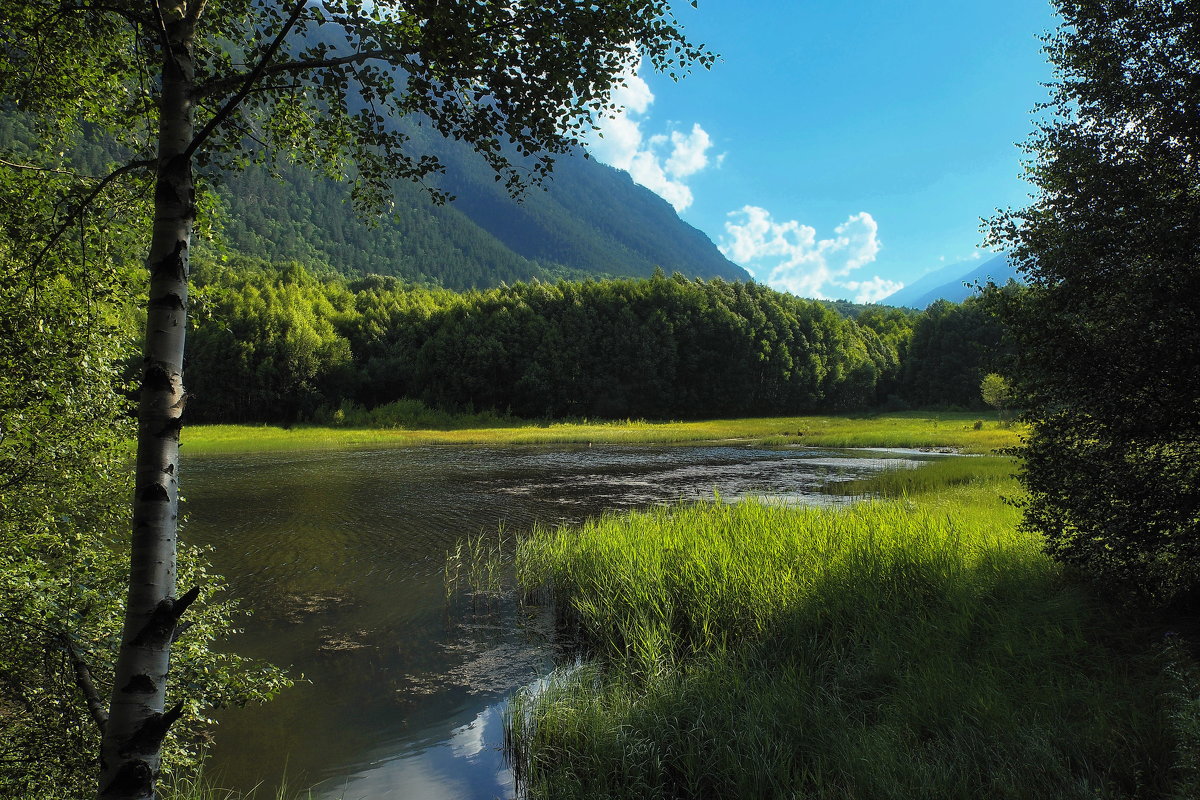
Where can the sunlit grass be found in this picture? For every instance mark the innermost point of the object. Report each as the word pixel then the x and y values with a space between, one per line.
pixel 917 646
pixel 934 478
pixel 909 430
pixel 200 787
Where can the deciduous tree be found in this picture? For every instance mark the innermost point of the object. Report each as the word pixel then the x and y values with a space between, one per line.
pixel 1108 331
pixel 183 85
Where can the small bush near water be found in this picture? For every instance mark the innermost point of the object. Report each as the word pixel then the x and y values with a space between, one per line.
pixel 894 649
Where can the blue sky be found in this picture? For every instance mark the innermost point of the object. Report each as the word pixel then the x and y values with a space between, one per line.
pixel 841 149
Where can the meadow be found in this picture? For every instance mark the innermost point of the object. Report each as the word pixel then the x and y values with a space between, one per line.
pixel 916 645
pixel 955 430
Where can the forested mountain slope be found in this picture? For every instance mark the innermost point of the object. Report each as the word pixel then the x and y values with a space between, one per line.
pixel 589 220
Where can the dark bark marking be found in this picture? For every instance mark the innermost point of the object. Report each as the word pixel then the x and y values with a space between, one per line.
pixel 189 597
pixel 170 469
pixel 157 379
pixel 133 779
pixel 172 264
pixel 180 630
pixel 157 630
pixel 160 628
pixel 164 189
pixel 155 493
pixel 171 428
pixel 170 301
pixel 148 738
pixel 140 684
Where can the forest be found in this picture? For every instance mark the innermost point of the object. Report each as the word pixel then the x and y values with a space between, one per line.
pixel 284 344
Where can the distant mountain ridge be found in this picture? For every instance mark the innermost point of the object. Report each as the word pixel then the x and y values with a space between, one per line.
pixel 955 283
pixel 590 220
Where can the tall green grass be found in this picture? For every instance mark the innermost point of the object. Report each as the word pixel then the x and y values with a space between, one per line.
pixel 919 646
pixel 933 478
pixel 199 787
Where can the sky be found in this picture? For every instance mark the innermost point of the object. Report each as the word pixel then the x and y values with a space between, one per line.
pixel 840 149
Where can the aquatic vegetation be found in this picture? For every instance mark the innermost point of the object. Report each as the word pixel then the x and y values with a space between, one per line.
pixel 917 646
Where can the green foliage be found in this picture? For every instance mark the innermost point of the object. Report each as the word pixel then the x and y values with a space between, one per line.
pixel 589 221
pixel 995 391
pixel 275 344
pixel 909 648
pixel 951 348
pixel 1107 331
pixel 65 433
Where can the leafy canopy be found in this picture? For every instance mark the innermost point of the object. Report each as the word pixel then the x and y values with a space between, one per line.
pixel 320 83
pixel 1108 330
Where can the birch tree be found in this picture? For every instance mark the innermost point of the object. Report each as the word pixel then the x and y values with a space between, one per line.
pixel 190 88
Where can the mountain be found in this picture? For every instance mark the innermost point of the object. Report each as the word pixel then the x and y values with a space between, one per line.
pixel 590 220
pixel 954 283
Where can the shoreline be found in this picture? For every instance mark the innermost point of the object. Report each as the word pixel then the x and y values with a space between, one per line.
pixel 909 430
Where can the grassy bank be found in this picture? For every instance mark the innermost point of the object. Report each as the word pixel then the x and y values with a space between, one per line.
pixel 910 429
pixel 914 647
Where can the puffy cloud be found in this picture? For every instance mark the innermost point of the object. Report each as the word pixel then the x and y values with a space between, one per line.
pixel 874 290
pixel 796 261
pixel 661 163
pixel 689 153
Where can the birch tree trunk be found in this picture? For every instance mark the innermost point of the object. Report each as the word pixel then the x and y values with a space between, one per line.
pixel 137 724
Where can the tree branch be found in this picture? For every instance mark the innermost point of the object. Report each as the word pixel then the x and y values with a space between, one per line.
pixel 221 85
pixel 32 168
pixel 195 10
pixel 83 679
pixel 247 84
pixel 79 209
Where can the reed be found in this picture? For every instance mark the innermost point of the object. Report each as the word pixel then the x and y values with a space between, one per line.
pixel 198 786
pixel 915 646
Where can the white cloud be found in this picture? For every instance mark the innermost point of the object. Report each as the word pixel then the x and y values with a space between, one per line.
pixel 660 162
pixel 795 260
pixel 874 290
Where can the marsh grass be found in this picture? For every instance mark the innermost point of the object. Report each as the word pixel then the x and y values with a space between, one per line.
pixel 478 567
pixel 910 430
pixel 932 477
pixel 200 787
pixel 918 646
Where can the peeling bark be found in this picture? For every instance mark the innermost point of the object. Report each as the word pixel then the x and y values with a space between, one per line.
pixel 137 723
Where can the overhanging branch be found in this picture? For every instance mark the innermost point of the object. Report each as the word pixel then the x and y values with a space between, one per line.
pixel 247 84
pixel 83 679
pixel 221 85
pixel 132 166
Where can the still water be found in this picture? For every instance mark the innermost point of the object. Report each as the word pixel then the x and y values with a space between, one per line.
pixel 341 555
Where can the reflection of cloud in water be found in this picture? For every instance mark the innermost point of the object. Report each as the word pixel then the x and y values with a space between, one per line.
pixel 664 476
pixel 408 778
pixel 467 741
pixel 437 772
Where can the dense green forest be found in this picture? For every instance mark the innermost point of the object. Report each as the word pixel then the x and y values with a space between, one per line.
pixel 282 343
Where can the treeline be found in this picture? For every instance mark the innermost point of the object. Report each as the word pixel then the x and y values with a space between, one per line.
pixel 283 344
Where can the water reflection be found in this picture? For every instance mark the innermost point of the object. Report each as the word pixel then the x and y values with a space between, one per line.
pixel 340 554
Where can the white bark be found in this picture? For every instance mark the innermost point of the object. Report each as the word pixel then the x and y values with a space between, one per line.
pixel 130 752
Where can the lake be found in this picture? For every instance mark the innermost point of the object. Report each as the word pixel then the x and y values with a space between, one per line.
pixel 340 554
